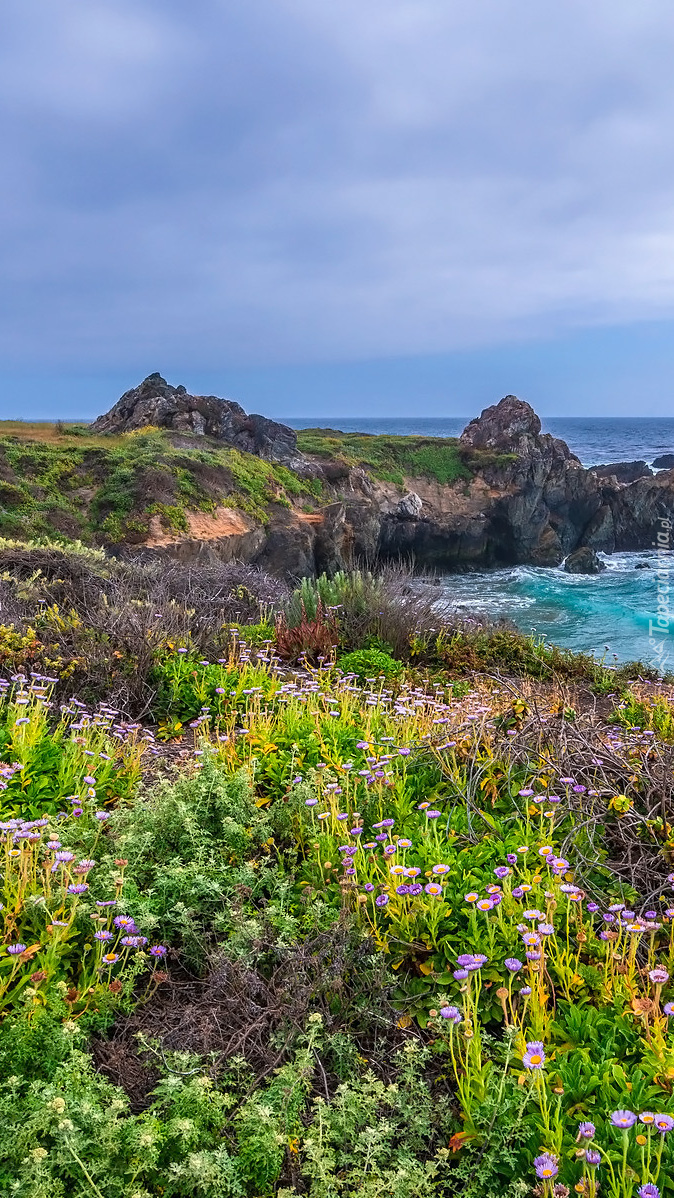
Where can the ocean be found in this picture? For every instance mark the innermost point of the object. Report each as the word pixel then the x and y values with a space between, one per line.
pixel 595 440
pixel 607 614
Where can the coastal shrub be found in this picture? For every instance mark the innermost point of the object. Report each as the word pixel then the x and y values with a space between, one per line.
pixel 371 665
pixel 353 592
pixel 326 852
pixel 384 609
pixel 71 1133
pixel 64 486
pixel 473 646
pixel 652 712
pixel 313 639
pixel 98 624
pixel 189 845
pixel 85 892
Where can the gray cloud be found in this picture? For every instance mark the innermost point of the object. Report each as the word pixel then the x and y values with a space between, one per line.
pixel 283 180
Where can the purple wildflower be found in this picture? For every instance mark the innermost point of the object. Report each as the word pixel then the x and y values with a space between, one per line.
pixel 16 949
pixel 623 1119
pixel 451 1013
pixel 125 922
pixel 659 977
pixel 546 1165
pixel 513 964
pixel 586 1130
pixel 381 900
pixel 534 1058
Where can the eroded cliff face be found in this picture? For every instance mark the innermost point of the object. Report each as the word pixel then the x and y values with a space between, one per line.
pixel 528 500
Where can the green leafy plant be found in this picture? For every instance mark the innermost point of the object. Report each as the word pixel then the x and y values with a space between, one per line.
pixel 371 664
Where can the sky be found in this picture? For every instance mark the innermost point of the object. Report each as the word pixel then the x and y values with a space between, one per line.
pixel 358 207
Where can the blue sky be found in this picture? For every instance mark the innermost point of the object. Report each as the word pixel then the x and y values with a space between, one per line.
pixel 357 207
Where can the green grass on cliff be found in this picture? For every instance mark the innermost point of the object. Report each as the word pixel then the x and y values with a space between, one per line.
pixel 72 485
pixel 389 458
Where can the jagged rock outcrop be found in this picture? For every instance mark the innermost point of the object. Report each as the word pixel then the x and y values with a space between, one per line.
pixel 584 561
pixel 542 498
pixel 624 472
pixel 512 426
pixel 664 462
pixel 155 403
pixel 530 501
pixel 409 507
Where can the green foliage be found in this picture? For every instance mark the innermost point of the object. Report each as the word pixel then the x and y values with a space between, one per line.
pixel 387 457
pixel 371 665
pixel 314 857
pixel 653 712
pixel 172 516
pixel 189 687
pixel 356 592
pixel 69 1134
pixel 253 636
pixel 50 760
pixel 189 845
pixel 483 648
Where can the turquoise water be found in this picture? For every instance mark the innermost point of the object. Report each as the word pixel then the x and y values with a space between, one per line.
pixel 607 614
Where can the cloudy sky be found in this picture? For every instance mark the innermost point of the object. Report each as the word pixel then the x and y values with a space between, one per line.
pixel 338 206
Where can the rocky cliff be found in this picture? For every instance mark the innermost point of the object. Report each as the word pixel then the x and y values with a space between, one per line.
pixel 518 496
pixel 157 404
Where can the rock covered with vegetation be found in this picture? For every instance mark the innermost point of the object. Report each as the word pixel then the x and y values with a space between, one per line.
pixel 212 484
pixel 156 404
pixel 312 893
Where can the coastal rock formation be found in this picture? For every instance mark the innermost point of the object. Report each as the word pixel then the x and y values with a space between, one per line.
pixel 584 561
pixel 519 496
pixel 155 403
pixel 512 426
pixel 529 501
pixel 409 507
pixel 664 462
pixel 624 472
